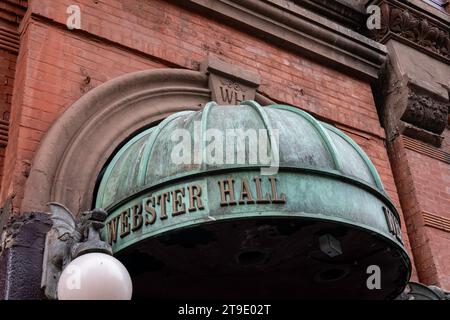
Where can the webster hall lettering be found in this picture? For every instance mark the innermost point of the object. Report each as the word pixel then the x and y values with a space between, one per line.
pixel 189 200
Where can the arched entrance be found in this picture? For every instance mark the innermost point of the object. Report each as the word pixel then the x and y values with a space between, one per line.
pixel 80 142
pixel 86 136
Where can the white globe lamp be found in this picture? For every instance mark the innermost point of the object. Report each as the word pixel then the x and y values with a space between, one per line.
pixel 95 276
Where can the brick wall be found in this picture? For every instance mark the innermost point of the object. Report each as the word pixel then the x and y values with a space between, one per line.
pixel 11 13
pixel 9 164
pixel 50 78
pixel 432 181
pixel 432 189
pixel 423 184
pixel 181 38
pixel 58 66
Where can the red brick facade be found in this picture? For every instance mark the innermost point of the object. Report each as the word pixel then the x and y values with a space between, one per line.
pixel 423 184
pixel 56 66
pixel 71 63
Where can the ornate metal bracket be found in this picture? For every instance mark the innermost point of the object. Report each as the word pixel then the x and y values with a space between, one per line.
pixel 68 239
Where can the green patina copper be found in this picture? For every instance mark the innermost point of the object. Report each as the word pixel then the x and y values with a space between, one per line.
pixel 323 176
pixel 305 143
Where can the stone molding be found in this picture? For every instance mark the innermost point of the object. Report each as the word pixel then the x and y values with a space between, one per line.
pixel 347 13
pixel 414 28
pixel 80 142
pixel 293 27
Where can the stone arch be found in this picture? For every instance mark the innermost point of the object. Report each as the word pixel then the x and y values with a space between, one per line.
pixel 79 143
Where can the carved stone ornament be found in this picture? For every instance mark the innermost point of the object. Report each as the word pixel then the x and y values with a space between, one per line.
pixel 426 112
pixel 413 110
pixel 229 84
pixel 405 24
pixel 68 239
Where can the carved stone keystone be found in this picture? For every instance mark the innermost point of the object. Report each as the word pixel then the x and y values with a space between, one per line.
pixel 230 84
